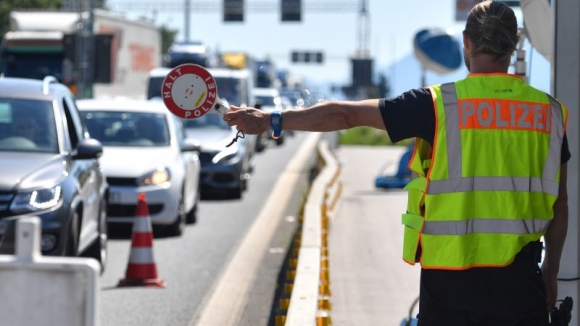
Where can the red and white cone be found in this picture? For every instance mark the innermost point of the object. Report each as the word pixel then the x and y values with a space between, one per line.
pixel 142 270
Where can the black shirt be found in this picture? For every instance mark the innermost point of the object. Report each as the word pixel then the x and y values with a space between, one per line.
pixel 401 118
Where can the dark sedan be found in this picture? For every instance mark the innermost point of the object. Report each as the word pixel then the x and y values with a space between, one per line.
pixel 225 170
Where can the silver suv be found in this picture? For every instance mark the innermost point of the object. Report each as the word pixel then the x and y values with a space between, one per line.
pixel 49 168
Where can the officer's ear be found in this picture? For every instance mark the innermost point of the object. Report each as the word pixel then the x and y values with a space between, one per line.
pixel 466 41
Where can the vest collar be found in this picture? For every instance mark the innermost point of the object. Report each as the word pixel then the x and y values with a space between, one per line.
pixel 501 74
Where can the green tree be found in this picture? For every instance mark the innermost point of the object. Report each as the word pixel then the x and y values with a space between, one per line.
pixel 384 86
pixel 167 38
pixel 8 5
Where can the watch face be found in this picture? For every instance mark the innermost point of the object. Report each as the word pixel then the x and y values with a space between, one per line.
pixel 276 119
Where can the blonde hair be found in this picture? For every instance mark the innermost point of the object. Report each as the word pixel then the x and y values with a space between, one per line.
pixel 493 28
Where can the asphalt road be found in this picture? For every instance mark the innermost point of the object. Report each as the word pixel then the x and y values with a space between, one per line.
pixel 192 264
pixel 370 283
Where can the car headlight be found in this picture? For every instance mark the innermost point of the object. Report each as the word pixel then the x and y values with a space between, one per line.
pixel 226 155
pixel 154 178
pixel 36 200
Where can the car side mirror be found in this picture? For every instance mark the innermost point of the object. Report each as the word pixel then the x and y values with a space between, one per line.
pixel 191 145
pixel 88 148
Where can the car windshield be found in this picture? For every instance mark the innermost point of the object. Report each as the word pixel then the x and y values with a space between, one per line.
pixel 33 65
pixel 27 125
pixel 207 121
pixel 154 87
pixel 127 129
pixel 229 89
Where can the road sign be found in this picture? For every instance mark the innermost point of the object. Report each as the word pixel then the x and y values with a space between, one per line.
pixel 307 57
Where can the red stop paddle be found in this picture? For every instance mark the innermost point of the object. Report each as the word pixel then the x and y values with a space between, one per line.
pixel 190 91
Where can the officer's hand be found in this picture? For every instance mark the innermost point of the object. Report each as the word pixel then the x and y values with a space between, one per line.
pixel 551 282
pixel 249 120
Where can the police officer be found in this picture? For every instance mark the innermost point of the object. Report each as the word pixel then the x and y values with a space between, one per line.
pixel 491 159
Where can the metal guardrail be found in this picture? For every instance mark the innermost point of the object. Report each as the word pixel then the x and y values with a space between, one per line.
pixel 307 288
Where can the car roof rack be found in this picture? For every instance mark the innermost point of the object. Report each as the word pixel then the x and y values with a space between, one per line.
pixel 46 82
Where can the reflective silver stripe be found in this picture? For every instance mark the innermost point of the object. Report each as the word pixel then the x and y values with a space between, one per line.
pixel 437 187
pixel 556 138
pixel 451 107
pixel 456 183
pixel 480 225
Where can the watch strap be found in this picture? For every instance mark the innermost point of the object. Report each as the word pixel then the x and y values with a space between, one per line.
pixel 276 123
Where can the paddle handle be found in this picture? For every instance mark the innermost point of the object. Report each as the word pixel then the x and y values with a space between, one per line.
pixel 220 107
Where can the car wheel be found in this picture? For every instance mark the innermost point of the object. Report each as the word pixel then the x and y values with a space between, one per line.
pixel 98 249
pixel 236 193
pixel 260 144
pixel 279 141
pixel 176 228
pixel 191 217
pixel 244 184
pixel 72 241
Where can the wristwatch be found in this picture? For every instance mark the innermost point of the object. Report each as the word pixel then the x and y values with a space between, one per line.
pixel 276 123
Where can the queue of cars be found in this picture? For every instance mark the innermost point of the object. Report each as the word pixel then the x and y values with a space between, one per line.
pixel 80 165
pixel 225 170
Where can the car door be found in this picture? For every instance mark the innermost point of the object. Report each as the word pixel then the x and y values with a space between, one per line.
pixel 87 173
pixel 191 164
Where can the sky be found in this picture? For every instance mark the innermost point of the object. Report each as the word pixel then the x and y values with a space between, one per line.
pixel 393 25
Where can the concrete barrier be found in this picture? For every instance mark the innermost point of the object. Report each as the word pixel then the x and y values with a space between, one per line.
pixel 308 285
pixel 46 291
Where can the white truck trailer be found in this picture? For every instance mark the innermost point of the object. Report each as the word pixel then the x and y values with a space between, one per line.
pixel 115 64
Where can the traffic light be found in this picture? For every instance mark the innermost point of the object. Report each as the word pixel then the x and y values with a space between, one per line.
pixel 296 56
pixel 291 10
pixel 233 10
pixel 319 57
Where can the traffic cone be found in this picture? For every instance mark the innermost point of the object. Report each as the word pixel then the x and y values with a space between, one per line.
pixel 142 270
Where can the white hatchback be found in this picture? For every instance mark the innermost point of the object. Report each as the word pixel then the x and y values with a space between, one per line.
pixel 145 151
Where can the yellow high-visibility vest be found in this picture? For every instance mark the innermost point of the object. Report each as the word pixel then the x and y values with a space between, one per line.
pixel 493 176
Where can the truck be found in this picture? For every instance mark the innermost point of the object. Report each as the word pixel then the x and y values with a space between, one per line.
pixel 97 53
pixel 264 70
pixel 196 52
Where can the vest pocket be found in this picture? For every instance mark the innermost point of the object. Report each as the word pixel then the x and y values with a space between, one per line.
pixel 413 219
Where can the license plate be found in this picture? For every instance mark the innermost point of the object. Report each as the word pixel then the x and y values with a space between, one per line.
pixel 114 197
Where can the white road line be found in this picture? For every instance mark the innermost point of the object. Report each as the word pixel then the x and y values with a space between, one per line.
pixel 230 294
